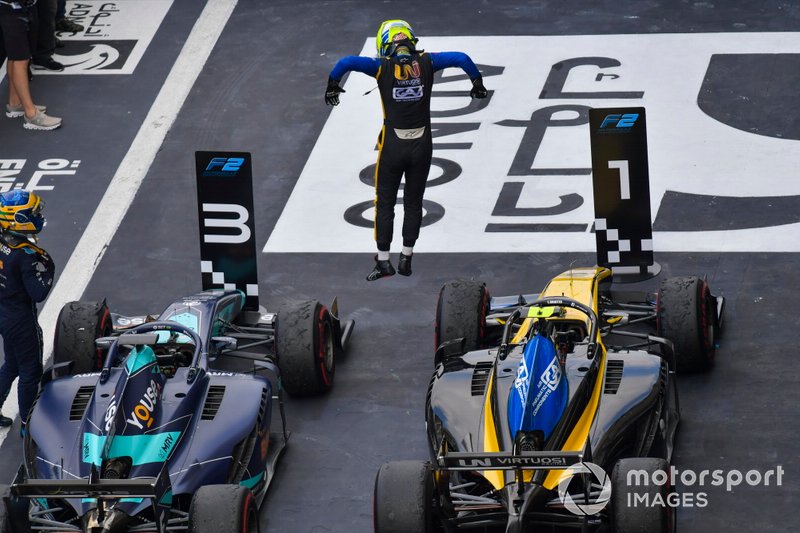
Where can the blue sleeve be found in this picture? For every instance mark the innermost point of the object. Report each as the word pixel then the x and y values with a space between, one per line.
pixel 38 271
pixel 443 60
pixel 367 65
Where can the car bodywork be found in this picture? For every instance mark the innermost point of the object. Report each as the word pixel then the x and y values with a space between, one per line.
pixel 572 375
pixel 125 448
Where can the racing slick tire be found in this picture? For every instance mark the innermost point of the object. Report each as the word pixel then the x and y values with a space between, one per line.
pixel 306 348
pixel 4 528
pixel 13 512
pixel 653 513
pixel 461 313
pixel 403 497
pixel 223 509
pixel 687 317
pixel 77 327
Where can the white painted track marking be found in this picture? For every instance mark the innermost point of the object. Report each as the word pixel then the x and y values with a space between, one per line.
pixel 107 217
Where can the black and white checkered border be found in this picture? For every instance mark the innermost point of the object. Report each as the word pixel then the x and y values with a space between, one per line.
pixel 623 245
pixel 218 278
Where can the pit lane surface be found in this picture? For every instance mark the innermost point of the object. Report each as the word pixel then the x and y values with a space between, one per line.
pixel 261 91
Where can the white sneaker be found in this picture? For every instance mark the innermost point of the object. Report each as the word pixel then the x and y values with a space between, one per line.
pixel 42 122
pixel 16 111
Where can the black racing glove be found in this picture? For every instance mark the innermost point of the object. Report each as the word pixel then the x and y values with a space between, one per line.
pixel 478 90
pixel 332 92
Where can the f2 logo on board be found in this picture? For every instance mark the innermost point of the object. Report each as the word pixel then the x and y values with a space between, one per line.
pixel 238 223
pixel 223 166
pixel 619 121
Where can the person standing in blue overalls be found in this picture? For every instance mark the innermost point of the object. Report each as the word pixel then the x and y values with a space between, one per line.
pixel 405 79
pixel 26 277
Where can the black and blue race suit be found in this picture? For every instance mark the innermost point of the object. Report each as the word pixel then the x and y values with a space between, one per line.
pixel 405 143
pixel 26 277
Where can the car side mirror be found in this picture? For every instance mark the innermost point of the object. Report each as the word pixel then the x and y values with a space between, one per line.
pixel 104 343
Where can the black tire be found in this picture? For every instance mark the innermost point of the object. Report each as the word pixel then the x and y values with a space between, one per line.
pixel 461 313
pixel 644 516
pixel 79 325
pixel 223 509
pixel 687 317
pixel 13 513
pixel 403 498
pixel 306 348
pixel 4 528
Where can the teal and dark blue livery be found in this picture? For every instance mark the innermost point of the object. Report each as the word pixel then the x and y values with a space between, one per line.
pixel 154 413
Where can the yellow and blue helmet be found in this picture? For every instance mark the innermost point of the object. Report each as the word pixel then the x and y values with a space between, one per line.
pixel 391 31
pixel 21 212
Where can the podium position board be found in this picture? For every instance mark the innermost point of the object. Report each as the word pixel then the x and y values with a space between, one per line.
pixel 227 230
pixel 620 180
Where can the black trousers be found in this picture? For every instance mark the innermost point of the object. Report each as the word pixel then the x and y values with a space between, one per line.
pixel 44 30
pixel 396 158
pixel 22 352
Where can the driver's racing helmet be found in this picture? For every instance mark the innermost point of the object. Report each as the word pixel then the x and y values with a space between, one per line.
pixel 21 212
pixel 392 32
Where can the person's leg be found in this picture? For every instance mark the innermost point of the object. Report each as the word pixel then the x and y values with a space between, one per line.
pixel 45 44
pixel 62 22
pixel 388 172
pixel 19 90
pixel 413 193
pixel 27 339
pixel 8 373
pixel 16 37
pixel 414 188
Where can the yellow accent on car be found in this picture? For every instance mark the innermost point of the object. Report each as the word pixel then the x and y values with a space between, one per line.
pixel 490 444
pixel 541 312
pixel 580 284
pixel 576 442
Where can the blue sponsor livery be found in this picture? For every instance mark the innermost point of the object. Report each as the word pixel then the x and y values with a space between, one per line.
pixel 540 390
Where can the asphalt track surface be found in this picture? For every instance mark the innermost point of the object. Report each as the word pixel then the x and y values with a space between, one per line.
pixel 261 91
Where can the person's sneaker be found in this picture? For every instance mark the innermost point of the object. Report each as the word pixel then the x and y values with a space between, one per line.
pixel 66 24
pixel 5 421
pixel 16 111
pixel 42 122
pixel 383 269
pixel 404 265
pixel 48 63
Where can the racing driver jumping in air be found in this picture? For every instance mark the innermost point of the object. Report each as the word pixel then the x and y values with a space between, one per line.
pixel 405 144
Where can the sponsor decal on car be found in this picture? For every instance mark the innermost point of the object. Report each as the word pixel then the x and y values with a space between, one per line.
pixel 142 413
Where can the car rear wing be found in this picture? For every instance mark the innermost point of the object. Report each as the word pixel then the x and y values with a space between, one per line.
pixel 156 489
pixel 548 460
pixel 93 487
